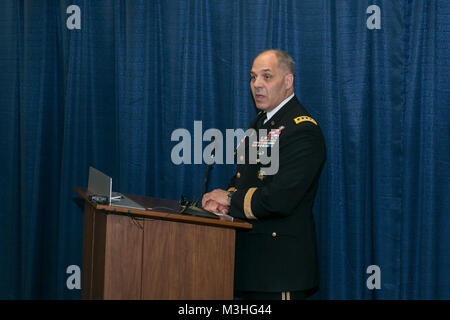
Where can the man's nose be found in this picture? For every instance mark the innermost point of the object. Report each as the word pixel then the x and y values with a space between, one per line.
pixel 257 83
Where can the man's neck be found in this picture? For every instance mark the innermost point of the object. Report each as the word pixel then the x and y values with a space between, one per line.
pixel 272 112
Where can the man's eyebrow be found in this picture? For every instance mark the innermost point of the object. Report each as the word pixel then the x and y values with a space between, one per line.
pixel 263 70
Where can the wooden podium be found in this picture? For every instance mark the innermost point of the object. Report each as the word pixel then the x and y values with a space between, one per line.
pixel 155 253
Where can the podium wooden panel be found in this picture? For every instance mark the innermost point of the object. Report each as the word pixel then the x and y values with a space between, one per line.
pixel 155 253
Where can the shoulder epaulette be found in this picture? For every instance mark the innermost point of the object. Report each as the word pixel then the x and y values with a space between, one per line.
pixel 303 119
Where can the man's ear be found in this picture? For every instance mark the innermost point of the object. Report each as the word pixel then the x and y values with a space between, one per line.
pixel 289 80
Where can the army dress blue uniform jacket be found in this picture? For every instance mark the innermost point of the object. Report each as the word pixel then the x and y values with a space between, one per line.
pixel 280 252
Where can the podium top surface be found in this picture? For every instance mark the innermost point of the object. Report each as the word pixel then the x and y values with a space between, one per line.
pixel 164 209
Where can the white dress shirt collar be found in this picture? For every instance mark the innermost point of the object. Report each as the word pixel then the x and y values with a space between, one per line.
pixel 271 113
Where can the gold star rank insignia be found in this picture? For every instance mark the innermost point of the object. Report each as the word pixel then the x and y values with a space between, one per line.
pixel 303 119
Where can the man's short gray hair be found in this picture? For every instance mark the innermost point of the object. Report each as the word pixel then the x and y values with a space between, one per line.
pixel 284 59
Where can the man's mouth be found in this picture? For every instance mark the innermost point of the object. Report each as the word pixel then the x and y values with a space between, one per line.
pixel 259 96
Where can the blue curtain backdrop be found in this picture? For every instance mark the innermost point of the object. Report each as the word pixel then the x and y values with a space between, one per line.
pixel 111 93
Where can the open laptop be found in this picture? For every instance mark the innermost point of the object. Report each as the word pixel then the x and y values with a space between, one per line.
pixel 100 184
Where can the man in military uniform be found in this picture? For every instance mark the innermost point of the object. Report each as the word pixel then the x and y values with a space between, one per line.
pixel 277 259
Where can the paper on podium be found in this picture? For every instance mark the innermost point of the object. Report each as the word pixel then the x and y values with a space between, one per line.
pixel 224 217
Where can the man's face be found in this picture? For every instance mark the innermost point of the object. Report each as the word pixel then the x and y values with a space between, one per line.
pixel 270 84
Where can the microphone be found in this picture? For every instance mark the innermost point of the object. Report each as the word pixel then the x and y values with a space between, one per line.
pixel 191 207
pixel 205 180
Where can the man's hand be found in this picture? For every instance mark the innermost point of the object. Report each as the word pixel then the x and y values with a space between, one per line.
pixel 218 195
pixel 215 207
pixel 216 201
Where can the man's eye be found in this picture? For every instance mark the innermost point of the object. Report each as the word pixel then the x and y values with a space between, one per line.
pixel 267 76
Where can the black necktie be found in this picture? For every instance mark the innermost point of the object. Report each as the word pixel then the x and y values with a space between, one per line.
pixel 261 120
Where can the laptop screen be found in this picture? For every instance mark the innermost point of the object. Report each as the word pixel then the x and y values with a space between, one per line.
pixel 99 183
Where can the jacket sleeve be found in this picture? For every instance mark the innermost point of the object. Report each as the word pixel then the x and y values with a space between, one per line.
pixel 301 156
pixel 232 184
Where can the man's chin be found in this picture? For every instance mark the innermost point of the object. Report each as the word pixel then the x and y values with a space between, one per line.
pixel 261 107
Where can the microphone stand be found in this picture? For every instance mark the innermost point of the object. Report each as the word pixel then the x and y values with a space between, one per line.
pixel 191 208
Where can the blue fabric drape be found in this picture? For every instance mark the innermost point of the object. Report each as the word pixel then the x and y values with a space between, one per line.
pixel 111 94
